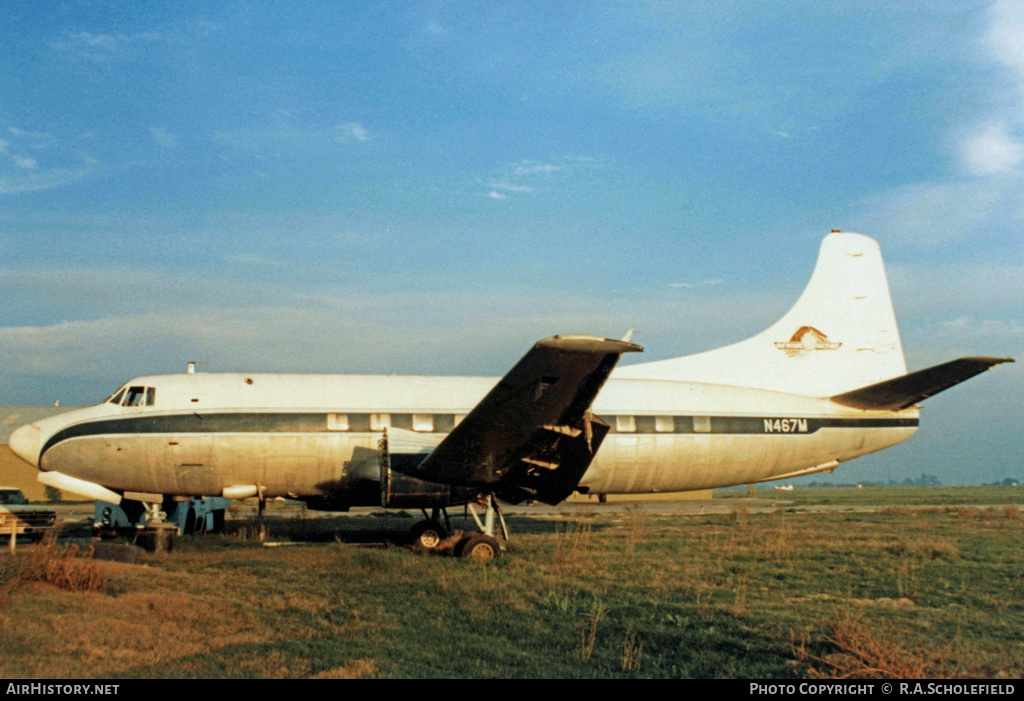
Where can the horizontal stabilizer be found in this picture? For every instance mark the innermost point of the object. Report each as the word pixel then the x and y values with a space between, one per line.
pixel 907 390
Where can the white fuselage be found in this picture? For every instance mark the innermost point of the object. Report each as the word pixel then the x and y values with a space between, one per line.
pixel 303 435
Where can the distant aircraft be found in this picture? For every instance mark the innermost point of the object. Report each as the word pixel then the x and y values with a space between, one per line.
pixel 825 384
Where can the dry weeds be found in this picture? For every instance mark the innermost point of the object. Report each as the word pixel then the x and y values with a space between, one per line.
pixel 68 567
pixel 861 653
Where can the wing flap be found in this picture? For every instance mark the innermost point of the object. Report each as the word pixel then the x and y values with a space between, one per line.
pixel 532 436
pixel 907 390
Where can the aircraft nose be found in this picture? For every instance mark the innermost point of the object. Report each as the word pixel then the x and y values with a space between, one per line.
pixel 24 443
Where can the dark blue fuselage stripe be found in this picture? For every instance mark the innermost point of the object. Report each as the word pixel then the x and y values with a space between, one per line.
pixel 297 422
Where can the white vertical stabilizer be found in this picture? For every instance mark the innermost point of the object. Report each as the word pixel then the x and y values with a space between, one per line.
pixel 839 336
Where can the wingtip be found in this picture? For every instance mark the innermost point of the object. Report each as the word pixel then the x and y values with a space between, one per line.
pixel 590 344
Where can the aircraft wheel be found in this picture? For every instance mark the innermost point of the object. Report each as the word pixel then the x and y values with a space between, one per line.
pixel 427 534
pixel 190 522
pixel 480 548
pixel 457 551
pixel 218 521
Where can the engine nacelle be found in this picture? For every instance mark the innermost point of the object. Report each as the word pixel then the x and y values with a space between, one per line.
pixel 400 491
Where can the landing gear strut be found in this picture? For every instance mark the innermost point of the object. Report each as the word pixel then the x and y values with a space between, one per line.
pixel 483 546
pixel 158 535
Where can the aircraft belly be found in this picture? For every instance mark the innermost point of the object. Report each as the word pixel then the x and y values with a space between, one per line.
pixel 672 463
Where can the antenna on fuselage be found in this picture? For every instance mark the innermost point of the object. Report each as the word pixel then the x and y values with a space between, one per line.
pixel 191 367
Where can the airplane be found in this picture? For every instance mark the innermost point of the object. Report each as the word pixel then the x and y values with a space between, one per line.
pixel 825 384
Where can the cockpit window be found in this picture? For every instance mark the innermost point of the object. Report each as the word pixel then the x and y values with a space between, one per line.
pixel 133 396
pixel 139 396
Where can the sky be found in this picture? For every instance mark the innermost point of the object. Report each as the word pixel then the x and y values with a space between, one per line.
pixel 430 187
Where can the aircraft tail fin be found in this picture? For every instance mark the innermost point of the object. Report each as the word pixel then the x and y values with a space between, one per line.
pixel 839 336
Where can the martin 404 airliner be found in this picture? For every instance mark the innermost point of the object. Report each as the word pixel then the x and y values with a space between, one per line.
pixel 825 384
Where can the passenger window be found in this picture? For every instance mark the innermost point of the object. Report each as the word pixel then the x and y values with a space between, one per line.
pixel 378 422
pixel 444 423
pixel 423 422
pixel 625 424
pixel 664 424
pixel 702 424
pixel 359 423
pixel 337 422
pixel 401 421
pixel 645 424
pixel 150 396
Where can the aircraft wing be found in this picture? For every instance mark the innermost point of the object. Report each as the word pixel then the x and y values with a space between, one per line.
pixel 532 436
pixel 902 392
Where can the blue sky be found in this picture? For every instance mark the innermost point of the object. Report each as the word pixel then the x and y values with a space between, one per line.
pixel 429 187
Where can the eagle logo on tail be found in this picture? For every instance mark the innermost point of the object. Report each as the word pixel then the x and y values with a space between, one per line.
pixel 806 338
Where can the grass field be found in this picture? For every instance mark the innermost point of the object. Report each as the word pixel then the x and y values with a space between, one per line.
pixel 929 584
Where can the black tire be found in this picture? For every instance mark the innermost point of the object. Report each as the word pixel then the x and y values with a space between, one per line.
pixel 457 551
pixel 190 522
pixel 218 521
pixel 427 535
pixel 480 548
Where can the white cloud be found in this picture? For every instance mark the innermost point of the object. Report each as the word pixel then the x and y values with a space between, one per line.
pixel 506 186
pixel 933 214
pixel 984 202
pixel 530 168
pixel 997 146
pixel 434 29
pixel 51 164
pixel 530 176
pixel 702 283
pixel 352 131
pixel 45 179
pixel 342 330
pixel 1006 34
pixel 104 48
pixel 163 137
pixel 992 150
pixel 958 309
pixel 14 157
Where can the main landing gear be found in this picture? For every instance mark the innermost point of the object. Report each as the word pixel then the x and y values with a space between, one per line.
pixel 482 546
pixel 429 534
